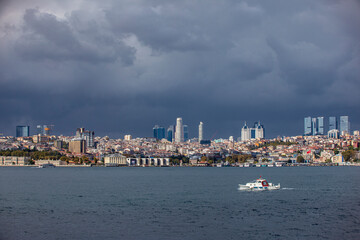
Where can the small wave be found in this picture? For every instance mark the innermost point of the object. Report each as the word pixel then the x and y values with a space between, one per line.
pixel 287 188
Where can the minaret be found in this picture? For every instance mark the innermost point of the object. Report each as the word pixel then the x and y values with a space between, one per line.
pixel 201 129
pixel 179 131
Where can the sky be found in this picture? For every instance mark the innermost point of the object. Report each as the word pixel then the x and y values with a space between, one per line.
pixel 121 67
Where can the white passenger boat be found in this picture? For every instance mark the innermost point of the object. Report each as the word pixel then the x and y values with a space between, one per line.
pixel 259 184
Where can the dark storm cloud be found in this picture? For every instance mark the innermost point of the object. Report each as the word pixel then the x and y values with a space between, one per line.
pixel 123 66
pixel 46 37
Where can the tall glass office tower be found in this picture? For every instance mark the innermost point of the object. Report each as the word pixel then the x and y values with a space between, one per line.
pixel 333 124
pixel 186 132
pixel 179 132
pixel 320 125
pixel 313 126
pixel 170 133
pixel 201 133
pixel 307 126
pixel 344 124
pixel 22 131
pixel 159 132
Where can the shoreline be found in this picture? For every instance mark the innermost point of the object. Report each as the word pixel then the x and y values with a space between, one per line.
pixel 187 166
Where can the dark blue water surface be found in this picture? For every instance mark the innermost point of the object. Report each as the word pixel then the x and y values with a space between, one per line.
pixel 178 203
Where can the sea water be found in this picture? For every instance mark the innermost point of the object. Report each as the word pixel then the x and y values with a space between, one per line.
pixel 178 203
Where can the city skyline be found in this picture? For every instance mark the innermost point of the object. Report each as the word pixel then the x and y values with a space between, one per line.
pixel 120 67
pixel 311 126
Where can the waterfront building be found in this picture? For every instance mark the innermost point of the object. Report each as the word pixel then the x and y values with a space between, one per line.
pixel 148 161
pixel 333 124
pixel 22 131
pixel 186 132
pixel 77 145
pixel 88 136
pixel 158 132
pixel 179 133
pixel 344 125
pixel 115 160
pixel 14 161
pixel 307 126
pixel 201 131
pixel 170 133
pixel 337 158
pixel 48 161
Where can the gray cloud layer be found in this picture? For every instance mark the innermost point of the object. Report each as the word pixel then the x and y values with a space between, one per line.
pixel 122 66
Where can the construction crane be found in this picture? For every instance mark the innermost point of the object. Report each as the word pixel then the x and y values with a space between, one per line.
pixel 213 136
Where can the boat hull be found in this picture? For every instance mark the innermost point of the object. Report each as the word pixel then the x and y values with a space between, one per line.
pixel 258 188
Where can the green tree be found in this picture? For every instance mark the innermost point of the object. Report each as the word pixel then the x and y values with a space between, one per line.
pixel 84 159
pixel 64 158
pixel 232 161
pixel 300 159
pixel 348 155
pixel 185 159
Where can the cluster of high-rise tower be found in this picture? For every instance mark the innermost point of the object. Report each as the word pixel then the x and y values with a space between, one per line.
pixel 24 131
pixel 177 133
pixel 315 126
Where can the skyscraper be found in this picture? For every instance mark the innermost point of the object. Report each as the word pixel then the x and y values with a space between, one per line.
pixel 245 133
pixel 259 130
pixel 159 132
pixel 22 131
pixel 77 145
pixel 344 125
pixel 313 126
pixel 186 132
pixel 44 130
pixel 307 126
pixel 333 124
pixel 320 125
pixel 256 132
pixel 86 135
pixel 170 133
pixel 179 133
pixel 201 133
